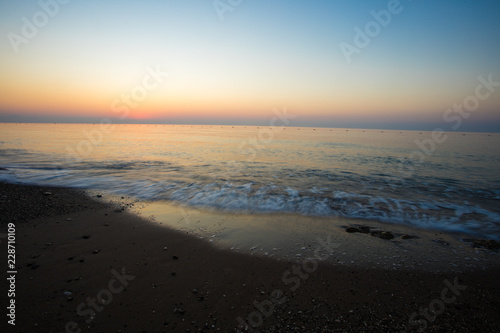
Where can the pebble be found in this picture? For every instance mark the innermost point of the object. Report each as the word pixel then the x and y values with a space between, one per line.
pixel 440 241
pixel 352 230
pixel 408 237
pixel 490 244
pixel 382 234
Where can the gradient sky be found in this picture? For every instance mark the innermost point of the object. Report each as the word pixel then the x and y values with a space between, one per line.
pixel 263 55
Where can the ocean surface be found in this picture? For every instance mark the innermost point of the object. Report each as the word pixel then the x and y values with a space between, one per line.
pixel 447 183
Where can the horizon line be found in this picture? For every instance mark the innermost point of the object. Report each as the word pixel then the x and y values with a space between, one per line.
pixel 254 125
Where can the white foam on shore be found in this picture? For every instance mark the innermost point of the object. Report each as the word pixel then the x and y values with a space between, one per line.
pixel 392 202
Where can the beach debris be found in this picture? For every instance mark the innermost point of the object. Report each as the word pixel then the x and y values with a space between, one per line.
pixel 195 291
pixel 352 230
pixel 364 229
pixel 175 257
pixel 358 228
pixel 68 219
pixel 47 193
pixel 165 248
pixel 382 234
pixel 96 251
pixel 35 256
pixel 489 244
pixel 99 195
pixel 253 248
pixel 441 242
pixel 86 236
pixel 67 293
pixel 406 236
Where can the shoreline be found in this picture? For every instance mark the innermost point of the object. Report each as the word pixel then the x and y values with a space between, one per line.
pixel 364 243
pixel 181 282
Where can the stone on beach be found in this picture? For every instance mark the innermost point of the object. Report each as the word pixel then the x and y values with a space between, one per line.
pixel 382 234
pixel 489 244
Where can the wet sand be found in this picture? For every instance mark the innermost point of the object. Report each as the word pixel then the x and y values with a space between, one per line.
pixel 295 237
pixel 90 265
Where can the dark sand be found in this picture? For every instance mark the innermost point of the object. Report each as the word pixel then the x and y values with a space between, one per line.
pixel 177 282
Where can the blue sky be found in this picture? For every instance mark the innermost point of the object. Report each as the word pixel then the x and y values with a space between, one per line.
pixel 263 55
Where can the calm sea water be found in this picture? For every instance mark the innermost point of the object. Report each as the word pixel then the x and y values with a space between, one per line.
pixel 369 174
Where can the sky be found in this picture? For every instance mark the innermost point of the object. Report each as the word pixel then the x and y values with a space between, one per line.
pixel 358 64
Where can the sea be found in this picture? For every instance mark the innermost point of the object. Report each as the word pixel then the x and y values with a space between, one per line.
pixel 445 181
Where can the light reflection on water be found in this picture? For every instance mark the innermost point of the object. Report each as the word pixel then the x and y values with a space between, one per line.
pixel 326 172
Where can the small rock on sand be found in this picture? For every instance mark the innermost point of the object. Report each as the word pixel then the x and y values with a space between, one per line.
pixel 408 237
pixel 490 244
pixel 360 228
pixel 364 229
pixel 382 234
pixel 440 241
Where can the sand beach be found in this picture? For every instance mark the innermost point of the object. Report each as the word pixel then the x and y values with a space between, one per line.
pixel 89 265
